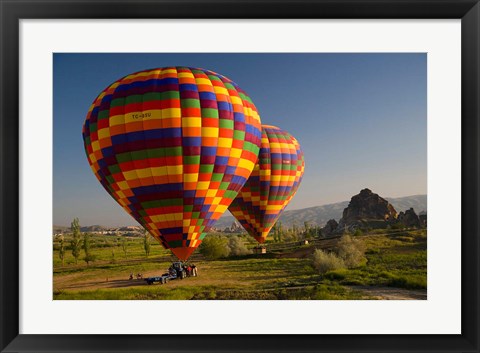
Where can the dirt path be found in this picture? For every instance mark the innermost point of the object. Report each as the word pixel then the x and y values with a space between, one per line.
pixel 124 282
pixel 390 293
pixel 370 292
pixel 68 282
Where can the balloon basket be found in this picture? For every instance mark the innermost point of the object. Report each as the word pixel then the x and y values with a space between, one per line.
pixel 259 250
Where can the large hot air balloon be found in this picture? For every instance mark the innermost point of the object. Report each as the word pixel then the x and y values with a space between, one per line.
pixel 272 184
pixel 173 146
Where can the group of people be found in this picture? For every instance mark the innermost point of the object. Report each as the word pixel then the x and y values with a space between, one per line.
pixel 191 270
pixel 183 270
pixel 175 269
pixel 139 276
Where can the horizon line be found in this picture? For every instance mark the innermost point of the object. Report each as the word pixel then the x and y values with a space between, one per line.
pixel 223 215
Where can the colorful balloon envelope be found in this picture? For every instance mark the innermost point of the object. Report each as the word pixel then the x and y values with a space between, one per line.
pixel 173 146
pixel 272 184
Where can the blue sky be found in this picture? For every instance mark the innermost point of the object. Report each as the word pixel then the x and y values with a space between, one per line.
pixel 361 120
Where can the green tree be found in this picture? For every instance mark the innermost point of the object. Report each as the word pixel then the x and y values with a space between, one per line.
pixel 294 229
pixel 112 259
pixel 214 247
pixel 275 232
pixel 86 243
pixel 61 252
pixel 89 257
pixel 280 232
pixel 237 246
pixel 307 231
pixel 124 246
pixel 146 243
pixel 76 239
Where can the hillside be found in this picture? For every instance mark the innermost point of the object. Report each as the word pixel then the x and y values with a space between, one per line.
pixel 417 202
pixel 319 215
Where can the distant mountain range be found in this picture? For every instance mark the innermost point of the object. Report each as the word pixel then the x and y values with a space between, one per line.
pixel 94 228
pixel 98 228
pixel 319 215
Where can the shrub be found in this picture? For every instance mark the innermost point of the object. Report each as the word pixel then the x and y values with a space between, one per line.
pixel 398 225
pixel 409 282
pixel 406 239
pixel 351 251
pixel 237 246
pixel 324 262
pixel 358 232
pixel 89 258
pixel 289 237
pixel 335 275
pixel 214 247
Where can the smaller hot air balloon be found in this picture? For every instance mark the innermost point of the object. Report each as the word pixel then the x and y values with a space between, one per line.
pixel 272 184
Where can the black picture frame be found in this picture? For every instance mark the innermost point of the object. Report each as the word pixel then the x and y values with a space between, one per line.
pixel 12 11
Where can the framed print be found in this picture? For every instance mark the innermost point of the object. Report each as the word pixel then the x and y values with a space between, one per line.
pixel 233 176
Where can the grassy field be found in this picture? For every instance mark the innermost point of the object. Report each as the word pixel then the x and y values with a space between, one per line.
pixel 397 260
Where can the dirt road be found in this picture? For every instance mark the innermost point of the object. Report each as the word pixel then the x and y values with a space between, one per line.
pixel 390 293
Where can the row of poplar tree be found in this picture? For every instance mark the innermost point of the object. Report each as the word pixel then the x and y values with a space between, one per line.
pixel 83 242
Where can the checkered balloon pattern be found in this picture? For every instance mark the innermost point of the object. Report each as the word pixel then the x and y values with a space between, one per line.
pixel 173 146
pixel 272 184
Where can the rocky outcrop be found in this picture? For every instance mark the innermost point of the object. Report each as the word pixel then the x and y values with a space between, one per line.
pixel 423 219
pixel 234 228
pixel 330 227
pixel 367 206
pixel 409 218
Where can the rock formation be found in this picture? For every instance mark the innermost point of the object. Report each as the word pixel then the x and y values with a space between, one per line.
pixel 367 206
pixel 330 227
pixel 409 218
pixel 423 219
pixel 234 228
